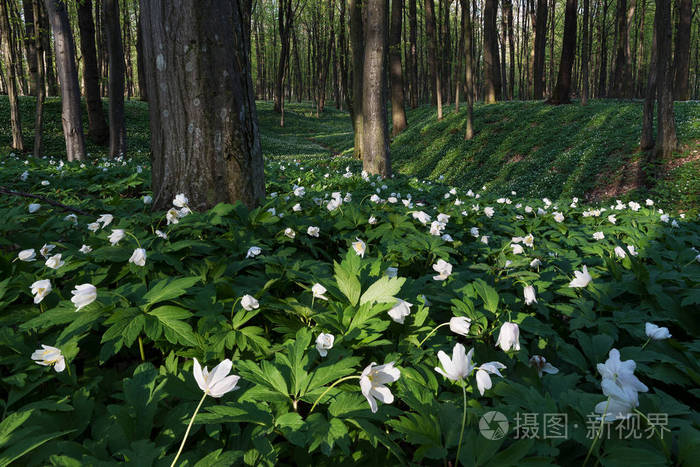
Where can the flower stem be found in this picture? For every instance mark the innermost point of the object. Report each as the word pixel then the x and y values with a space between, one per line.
pixel 661 438
pixel 143 357
pixel 331 387
pixel 432 332
pixel 182 445
pixel 68 369
pixel 597 435
pixel 134 237
pixel 646 343
pixel 464 419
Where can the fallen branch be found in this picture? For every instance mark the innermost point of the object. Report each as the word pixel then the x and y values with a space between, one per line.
pixel 5 191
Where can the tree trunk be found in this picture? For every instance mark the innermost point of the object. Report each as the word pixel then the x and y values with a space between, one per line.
pixel 431 33
pixel 40 85
pixel 511 46
pixel 563 87
pixel 540 43
pixel 622 77
pixel 666 141
pixel 10 59
pixel 51 83
pixel 205 141
pixel 584 57
pixel 647 139
pixel 342 45
pixel 681 55
pixel 492 71
pixel 375 158
pixel 97 125
pixel 117 129
pixel 143 92
pixel 398 114
pixel 413 52
pixel 284 21
pixel 358 46
pixel 30 45
pixel 468 66
pixel 602 89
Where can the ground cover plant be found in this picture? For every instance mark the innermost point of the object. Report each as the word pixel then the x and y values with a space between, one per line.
pixel 383 285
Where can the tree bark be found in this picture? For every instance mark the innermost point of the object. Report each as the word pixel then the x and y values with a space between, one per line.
pixel 398 113
pixel 117 129
pixel 468 67
pixel 492 69
pixel 413 52
pixel 375 157
pixel 431 33
pixel 284 22
pixel 511 46
pixel 205 140
pixel 584 54
pixel 563 87
pixel 681 54
pixel 666 141
pixel 358 46
pixel 540 43
pixel 602 81
pixel 646 141
pixel 12 91
pixel 40 85
pixel 30 45
pixel 51 83
pixel 97 126
pixel 143 92
pixel 622 77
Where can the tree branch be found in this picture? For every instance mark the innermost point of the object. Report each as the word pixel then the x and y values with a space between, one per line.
pixel 5 191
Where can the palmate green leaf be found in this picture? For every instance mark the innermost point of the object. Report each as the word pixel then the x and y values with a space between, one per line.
pixel 422 430
pixel 238 412
pixel 376 436
pixel 326 434
pixel 27 444
pixel 348 283
pixel 11 423
pixel 266 374
pixel 119 320
pixel 332 370
pixel 384 290
pixel 175 328
pixel 220 458
pixel 167 289
pixel 488 294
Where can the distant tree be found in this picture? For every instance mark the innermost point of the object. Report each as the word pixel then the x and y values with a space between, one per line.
pixel 468 68
pixel 492 68
pixel 647 139
pixel 413 52
pixel 681 54
pixel 540 43
pixel 30 45
pixel 117 128
pixel 357 44
pixel 285 20
pixel 584 53
pixel 204 127
pixel 622 86
pixel 433 66
pixel 40 81
pixel 603 53
pixel 398 113
pixel 375 146
pixel 9 54
pixel 560 95
pixel 666 141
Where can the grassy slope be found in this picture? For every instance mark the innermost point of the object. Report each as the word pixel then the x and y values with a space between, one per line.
pixel 529 147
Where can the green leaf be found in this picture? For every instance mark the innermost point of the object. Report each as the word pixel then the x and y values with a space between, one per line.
pixel 348 283
pixel 167 289
pixel 176 330
pixel 383 290
pixel 488 294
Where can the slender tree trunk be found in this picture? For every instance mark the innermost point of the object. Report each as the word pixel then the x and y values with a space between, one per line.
pixel 51 83
pixel 468 66
pixel 117 129
pixel 284 20
pixel 681 54
pixel 98 130
pixel 492 72
pixel 647 139
pixel 40 86
pixel 342 45
pixel 12 91
pixel 585 58
pixel 413 52
pixel 398 114
pixel 431 32
pixel 143 92
pixel 375 157
pixel 30 45
pixel 563 87
pixel 511 46
pixel 357 43
pixel 540 42
pixel 205 141
pixel 602 85
pixel 666 141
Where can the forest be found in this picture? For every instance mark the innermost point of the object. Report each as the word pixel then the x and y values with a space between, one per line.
pixel 331 232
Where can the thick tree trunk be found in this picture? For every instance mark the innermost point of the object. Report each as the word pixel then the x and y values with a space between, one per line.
pixel 97 125
pixel 492 68
pixel 413 52
pixel 622 84
pixel 68 77
pixel 563 87
pixel 468 67
pixel 117 129
pixel 12 91
pixel 40 85
pixel 540 43
pixel 205 141
pixel 681 54
pixel 431 32
pixel 602 81
pixel 666 141
pixel 584 54
pixel 398 113
pixel 30 45
pixel 375 158
pixel 646 141
pixel 358 47
pixel 284 20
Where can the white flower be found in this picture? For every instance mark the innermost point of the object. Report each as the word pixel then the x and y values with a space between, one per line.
pixel 612 219
pixel 116 236
pixel 85 249
pixel 147 199
pixel 50 356
pixel 443 268
pixel 489 211
pixel 474 231
pixel 653 331
pixel 45 183
pixel 93 226
pixel 634 205
pixel 620 253
pixel 34 207
pixel 324 342
pixel 535 263
pixel 529 294
pixel 581 278
pixel 372 220
pixel 460 325
pixel 172 216
pixel 447 238
pixel 508 337
pixel 249 302
pixel 105 219
pixel 24 176
pixel 218 382
pixel 55 262
pixel 334 204
pixel 299 191
pixel 444 218
pixel 373 381
pixel 359 247
pixel 664 218
pixel 399 312
pixel 517 249
pixel 459 366
pixel 41 289
pixel 184 211
pixel 622 372
pixel 138 257
pixel 649 202
pixel 422 217
pixel 161 234
pixel 375 198
pixel 621 402
pixel 542 366
pixel 632 251
pixel 483 378
pixel 392 272
pixel 559 217
pixel 296 208
pixel 485 239
pixel 312 231
pixel 83 295
pixel 598 235
pixel 71 218
pixel 253 251
pixel 528 209
pixel 318 290
pixel 180 200
pixel 27 255
pixel 529 240
pixel 289 232
pixel 46 249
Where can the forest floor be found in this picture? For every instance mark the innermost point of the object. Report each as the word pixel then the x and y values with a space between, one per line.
pixel 529 147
